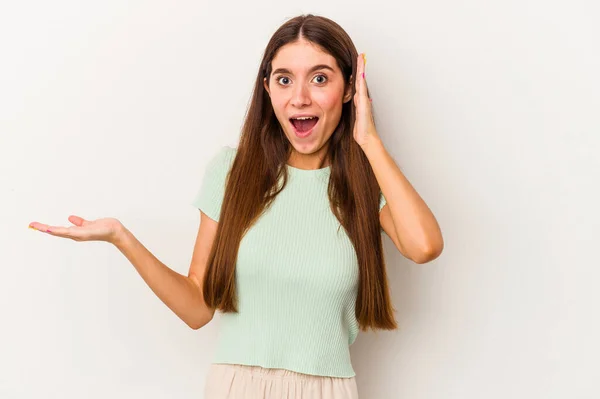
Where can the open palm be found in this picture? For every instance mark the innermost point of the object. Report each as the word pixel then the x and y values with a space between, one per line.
pixel 105 229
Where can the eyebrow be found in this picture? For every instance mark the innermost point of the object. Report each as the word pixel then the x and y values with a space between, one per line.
pixel 315 68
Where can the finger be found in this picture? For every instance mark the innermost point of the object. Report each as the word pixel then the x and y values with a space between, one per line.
pixel 362 84
pixel 65 232
pixel 59 231
pixel 39 226
pixel 78 221
pixel 365 86
pixel 359 73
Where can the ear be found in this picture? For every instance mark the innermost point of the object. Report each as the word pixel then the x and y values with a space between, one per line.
pixel 348 92
pixel 266 86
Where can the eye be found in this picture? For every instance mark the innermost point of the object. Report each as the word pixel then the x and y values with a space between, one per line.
pixel 281 77
pixel 323 76
pixel 318 76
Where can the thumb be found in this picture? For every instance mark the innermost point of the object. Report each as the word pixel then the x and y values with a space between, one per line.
pixel 78 221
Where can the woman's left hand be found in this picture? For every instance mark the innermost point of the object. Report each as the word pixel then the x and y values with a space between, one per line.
pixel 364 128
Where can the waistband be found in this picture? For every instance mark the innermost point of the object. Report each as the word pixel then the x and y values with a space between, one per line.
pixel 273 373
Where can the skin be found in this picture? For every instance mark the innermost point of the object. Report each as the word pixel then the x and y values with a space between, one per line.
pixel 296 92
pixel 319 92
pixel 406 218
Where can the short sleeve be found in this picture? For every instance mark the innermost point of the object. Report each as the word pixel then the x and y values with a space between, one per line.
pixel 382 201
pixel 212 188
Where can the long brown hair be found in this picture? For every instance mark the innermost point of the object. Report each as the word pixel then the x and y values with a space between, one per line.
pixel 258 167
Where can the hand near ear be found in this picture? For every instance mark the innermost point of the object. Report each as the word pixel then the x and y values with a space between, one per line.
pixel 364 128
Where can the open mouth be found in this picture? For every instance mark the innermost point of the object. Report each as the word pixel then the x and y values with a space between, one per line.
pixel 304 124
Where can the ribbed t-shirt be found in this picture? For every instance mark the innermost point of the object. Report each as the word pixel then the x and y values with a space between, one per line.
pixel 296 278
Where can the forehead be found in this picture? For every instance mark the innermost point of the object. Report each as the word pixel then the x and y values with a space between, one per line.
pixel 300 56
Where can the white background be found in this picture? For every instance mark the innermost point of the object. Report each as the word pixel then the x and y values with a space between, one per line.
pixel 491 110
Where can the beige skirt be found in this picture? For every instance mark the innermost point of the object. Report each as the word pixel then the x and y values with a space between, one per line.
pixel 236 381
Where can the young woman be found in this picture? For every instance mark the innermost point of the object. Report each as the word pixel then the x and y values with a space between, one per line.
pixel 289 246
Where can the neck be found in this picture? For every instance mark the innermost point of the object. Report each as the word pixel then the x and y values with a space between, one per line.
pixel 309 161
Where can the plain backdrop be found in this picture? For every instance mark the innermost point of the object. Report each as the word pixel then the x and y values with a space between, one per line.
pixel 491 109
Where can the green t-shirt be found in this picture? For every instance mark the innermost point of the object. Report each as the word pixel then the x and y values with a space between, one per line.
pixel 296 275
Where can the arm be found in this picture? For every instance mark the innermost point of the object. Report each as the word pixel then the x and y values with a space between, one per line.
pixel 183 295
pixel 414 229
pixel 405 218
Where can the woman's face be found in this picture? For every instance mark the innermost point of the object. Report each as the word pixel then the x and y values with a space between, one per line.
pixel 307 82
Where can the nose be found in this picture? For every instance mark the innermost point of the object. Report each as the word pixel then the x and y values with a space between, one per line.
pixel 300 96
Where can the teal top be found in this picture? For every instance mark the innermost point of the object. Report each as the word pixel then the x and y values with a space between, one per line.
pixel 296 278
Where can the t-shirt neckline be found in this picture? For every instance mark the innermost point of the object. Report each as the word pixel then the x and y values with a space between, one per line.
pixel 308 172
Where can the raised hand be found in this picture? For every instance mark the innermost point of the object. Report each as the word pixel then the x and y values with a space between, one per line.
pixel 364 128
pixel 105 229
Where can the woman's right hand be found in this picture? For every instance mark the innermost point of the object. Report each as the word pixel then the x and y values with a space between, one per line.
pixel 105 229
